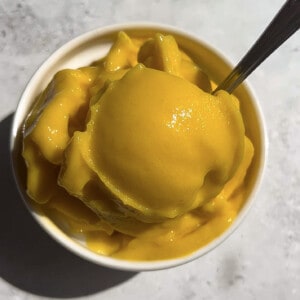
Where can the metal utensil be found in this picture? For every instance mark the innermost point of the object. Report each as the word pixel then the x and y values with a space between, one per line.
pixel 284 24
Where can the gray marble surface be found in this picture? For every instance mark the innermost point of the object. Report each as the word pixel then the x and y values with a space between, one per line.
pixel 261 260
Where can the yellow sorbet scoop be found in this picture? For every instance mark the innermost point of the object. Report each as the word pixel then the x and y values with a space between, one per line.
pixel 161 145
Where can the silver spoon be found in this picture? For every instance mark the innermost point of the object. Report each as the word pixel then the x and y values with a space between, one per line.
pixel 284 24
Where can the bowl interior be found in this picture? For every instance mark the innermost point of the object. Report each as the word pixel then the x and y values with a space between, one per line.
pixel 90 47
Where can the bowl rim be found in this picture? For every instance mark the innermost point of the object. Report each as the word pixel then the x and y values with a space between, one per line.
pixel 73 246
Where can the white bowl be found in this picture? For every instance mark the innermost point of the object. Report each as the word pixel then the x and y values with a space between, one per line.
pixel 91 46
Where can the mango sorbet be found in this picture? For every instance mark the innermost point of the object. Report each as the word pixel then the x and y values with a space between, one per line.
pixel 134 154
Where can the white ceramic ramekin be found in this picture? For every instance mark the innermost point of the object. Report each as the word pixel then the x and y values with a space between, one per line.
pixel 93 45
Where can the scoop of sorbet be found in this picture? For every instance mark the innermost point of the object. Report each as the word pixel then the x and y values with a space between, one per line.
pixel 160 145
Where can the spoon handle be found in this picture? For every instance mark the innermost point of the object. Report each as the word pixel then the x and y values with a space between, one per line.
pixel 284 24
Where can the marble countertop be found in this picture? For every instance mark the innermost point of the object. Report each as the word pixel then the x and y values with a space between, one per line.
pixel 261 260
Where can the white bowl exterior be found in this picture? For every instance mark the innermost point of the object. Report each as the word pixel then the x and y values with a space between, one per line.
pixel 74 54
